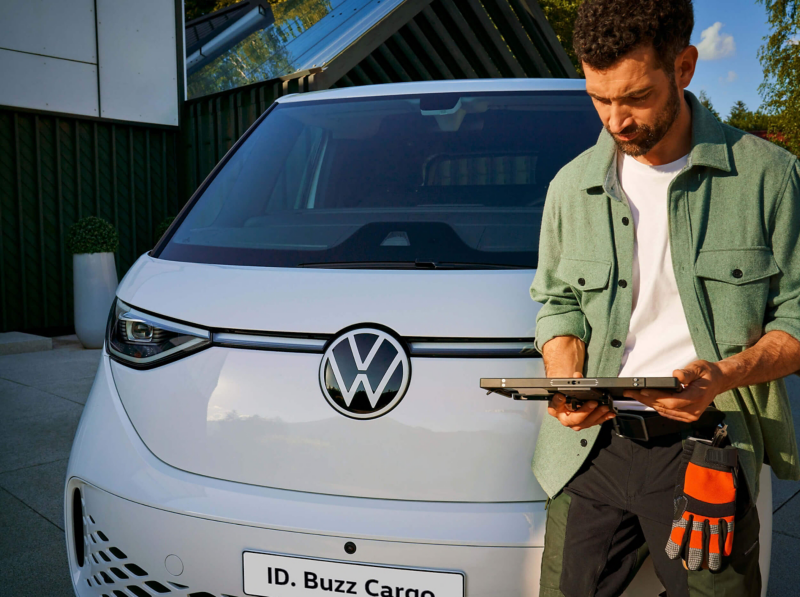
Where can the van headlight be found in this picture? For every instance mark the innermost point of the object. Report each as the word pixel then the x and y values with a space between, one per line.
pixel 142 340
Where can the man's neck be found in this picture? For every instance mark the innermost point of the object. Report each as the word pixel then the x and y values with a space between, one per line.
pixel 675 144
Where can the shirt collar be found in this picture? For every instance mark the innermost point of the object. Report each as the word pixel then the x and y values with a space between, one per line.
pixel 709 148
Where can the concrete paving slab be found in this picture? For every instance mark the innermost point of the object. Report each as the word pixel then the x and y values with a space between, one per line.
pixel 76 390
pixel 33 554
pixel 21 402
pixel 19 342
pixel 46 368
pixel 69 342
pixel 39 438
pixel 41 488
pixel 786 520
pixel 784 578
pixel 782 491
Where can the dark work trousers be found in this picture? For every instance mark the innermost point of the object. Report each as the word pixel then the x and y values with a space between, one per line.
pixel 617 509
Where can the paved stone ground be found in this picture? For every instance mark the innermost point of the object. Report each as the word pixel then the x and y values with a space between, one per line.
pixel 41 398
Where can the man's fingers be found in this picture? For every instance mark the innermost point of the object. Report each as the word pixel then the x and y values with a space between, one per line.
pixel 583 419
pixel 557 401
pixel 598 416
pixel 667 402
pixel 691 372
pixel 577 417
pixel 677 415
pixel 686 399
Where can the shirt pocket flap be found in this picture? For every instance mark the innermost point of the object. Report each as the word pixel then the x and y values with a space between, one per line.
pixel 736 266
pixel 584 274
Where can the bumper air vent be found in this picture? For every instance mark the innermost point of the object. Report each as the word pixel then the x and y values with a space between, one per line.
pixel 113 573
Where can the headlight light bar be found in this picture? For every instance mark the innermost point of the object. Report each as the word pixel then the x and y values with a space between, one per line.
pixel 142 340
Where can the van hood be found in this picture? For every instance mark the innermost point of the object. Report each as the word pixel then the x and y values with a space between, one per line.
pixel 429 303
pixel 261 417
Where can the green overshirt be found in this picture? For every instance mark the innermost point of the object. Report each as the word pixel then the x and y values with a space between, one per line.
pixel 734 225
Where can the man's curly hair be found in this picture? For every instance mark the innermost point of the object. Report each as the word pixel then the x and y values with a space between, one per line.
pixel 606 30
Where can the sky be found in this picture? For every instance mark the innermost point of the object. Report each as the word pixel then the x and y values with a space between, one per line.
pixel 728 34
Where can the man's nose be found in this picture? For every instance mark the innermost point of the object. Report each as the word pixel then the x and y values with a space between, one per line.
pixel 619 119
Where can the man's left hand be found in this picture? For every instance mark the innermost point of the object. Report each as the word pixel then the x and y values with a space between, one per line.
pixel 702 382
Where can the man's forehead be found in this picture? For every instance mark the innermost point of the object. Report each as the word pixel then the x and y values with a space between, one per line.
pixel 614 88
pixel 634 72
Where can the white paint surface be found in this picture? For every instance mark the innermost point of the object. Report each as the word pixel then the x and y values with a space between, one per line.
pixel 138 60
pixel 55 28
pixel 51 84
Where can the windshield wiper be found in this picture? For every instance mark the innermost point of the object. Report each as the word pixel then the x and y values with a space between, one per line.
pixel 412 265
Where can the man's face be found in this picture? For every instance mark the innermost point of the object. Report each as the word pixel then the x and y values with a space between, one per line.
pixel 636 100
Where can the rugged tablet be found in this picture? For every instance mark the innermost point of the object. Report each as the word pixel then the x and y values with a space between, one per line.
pixel 602 389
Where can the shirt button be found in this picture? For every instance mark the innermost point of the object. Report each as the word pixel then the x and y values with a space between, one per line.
pixel 581 281
pixel 625 221
pixel 623 284
pixel 584 443
pixel 616 343
pixel 737 273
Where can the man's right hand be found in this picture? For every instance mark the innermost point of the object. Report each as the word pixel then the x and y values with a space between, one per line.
pixel 564 355
pixel 589 415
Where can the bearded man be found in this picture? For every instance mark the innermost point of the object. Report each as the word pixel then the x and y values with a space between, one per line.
pixel 667 249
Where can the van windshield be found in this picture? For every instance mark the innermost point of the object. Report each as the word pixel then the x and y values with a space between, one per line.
pixel 430 181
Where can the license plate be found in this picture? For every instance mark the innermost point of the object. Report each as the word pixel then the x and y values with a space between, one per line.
pixel 272 575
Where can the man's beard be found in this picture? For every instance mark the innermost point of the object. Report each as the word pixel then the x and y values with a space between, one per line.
pixel 651 135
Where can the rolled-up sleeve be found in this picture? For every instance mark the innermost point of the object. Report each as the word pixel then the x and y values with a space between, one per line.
pixel 561 313
pixel 783 306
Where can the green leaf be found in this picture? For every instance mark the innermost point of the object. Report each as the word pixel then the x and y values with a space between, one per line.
pixel 92 235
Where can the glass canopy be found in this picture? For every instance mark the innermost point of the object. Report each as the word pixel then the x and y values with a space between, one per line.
pixel 304 34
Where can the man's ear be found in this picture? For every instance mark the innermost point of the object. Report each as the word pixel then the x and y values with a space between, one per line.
pixel 685 63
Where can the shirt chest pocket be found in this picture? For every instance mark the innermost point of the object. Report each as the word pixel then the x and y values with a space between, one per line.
pixel 588 279
pixel 736 284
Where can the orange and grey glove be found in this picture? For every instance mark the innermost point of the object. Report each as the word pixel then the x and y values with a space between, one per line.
pixel 705 505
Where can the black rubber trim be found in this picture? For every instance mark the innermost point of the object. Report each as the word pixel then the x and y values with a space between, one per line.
pixel 77 527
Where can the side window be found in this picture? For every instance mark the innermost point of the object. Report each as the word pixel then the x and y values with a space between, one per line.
pixel 299 171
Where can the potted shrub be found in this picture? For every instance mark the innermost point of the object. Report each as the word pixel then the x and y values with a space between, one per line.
pixel 92 242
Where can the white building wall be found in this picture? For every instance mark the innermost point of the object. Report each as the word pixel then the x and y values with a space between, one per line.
pixel 115 59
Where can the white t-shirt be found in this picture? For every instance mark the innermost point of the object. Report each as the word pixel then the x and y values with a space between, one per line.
pixel 658 339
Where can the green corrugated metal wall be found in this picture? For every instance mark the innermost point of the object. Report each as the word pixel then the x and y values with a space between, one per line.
pixel 55 170
pixel 448 39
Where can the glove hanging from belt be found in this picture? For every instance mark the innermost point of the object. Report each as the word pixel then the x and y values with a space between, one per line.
pixel 705 505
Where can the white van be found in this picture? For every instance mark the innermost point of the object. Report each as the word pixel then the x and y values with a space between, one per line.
pixel 288 404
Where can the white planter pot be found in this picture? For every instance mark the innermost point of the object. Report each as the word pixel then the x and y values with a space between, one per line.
pixel 94 284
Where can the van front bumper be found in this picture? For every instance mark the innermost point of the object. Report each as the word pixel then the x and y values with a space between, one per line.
pixel 186 534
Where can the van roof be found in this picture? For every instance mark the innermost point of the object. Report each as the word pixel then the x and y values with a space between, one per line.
pixel 450 86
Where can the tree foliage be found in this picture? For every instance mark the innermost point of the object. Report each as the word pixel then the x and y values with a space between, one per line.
pixel 262 55
pixel 780 59
pixel 706 101
pixel 198 8
pixel 303 12
pixel 561 15
pixel 747 120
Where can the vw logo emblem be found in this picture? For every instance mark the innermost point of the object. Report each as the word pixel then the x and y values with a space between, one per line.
pixel 364 373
